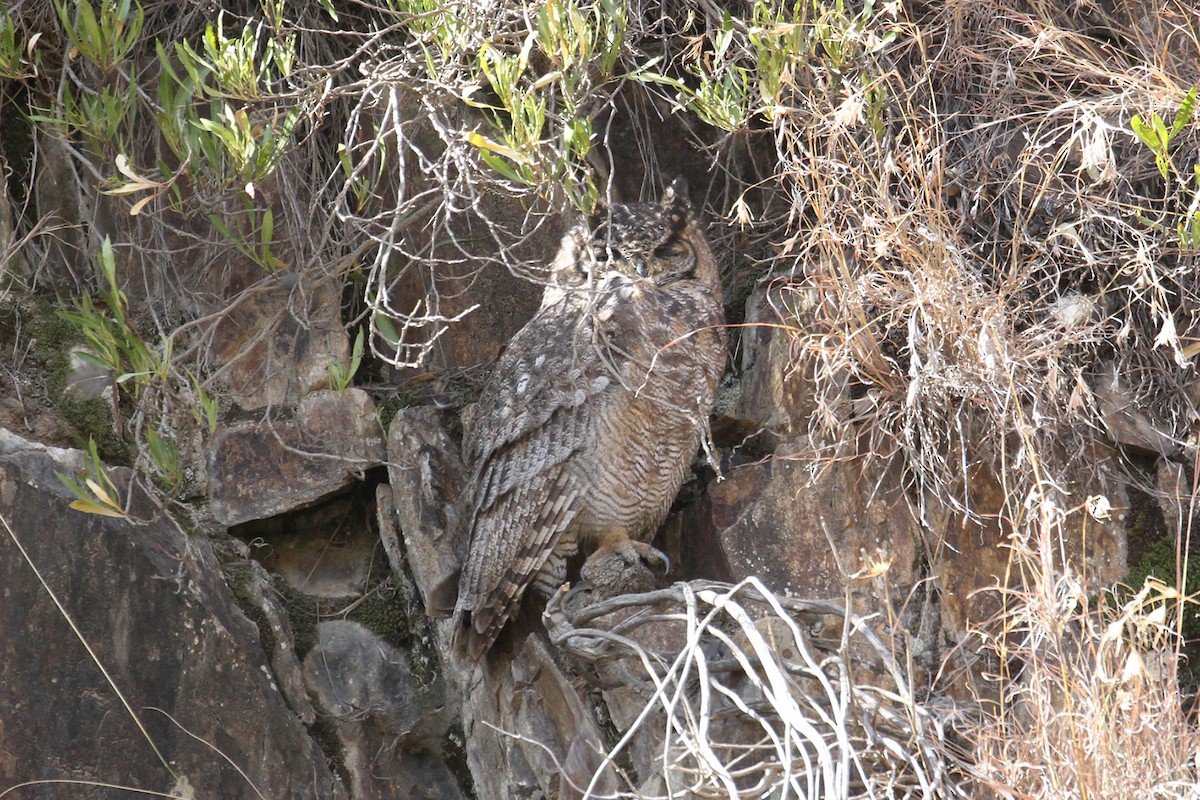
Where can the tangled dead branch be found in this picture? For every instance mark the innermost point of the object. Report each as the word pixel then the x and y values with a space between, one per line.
pixel 751 694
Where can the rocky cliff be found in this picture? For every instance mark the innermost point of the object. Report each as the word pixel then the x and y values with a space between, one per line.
pixel 277 645
pixel 257 259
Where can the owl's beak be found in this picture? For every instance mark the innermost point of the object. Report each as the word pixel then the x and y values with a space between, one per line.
pixel 639 265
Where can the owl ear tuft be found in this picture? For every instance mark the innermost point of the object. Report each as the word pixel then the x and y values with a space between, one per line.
pixel 676 203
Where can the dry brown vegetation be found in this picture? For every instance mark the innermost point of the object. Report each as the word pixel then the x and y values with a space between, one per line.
pixel 986 266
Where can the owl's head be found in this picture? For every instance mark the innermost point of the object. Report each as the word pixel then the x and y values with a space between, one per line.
pixel 657 242
pixel 647 240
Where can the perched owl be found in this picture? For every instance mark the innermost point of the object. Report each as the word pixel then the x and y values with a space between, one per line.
pixel 593 415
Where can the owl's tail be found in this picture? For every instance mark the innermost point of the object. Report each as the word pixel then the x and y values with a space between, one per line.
pixel 474 634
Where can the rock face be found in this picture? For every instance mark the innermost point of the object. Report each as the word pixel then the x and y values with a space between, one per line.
pixel 152 606
pixel 449 260
pixel 777 386
pixel 203 662
pixel 303 702
pixel 276 343
pixel 388 721
pixel 59 198
pixel 426 476
pixel 245 691
pixel 974 556
pixel 260 470
pixel 805 528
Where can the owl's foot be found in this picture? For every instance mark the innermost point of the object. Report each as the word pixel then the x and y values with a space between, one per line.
pixel 622 566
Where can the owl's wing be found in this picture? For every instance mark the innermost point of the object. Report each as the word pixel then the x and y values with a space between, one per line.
pixel 533 417
pixel 544 368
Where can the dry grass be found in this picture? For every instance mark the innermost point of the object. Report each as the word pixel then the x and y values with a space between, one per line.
pixel 996 249
pixel 985 254
pixel 983 269
pixel 1088 701
pixel 746 693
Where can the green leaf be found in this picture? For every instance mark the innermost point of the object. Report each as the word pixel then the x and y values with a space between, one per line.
pixel 387 329
pixel 343 154
pixel 65 18
pixel 90 36
pixel 268 227
pixel 1143 132
pixel 99 363
pixel 108 263
pixel 724 39
pixel 646 74
pixel 99 491
pixel 1184 115
pixel 1160 130
pixel 486 144
pixel 501 166
pixel 221 227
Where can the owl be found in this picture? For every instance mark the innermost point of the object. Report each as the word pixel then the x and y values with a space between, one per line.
pixel 584 432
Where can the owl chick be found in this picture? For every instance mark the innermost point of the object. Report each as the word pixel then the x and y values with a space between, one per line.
pixel 591 419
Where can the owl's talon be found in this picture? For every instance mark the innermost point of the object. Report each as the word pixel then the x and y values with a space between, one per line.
pixel 654 559
pixel 625 566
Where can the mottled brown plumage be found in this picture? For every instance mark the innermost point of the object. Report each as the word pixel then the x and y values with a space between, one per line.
pixel 592 417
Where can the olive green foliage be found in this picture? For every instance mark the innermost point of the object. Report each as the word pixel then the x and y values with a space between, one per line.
pixel 201 125
pixel 1160 564
pixel 104 35
pixel 94 491
pixel 88 421
pixel 19 59
pixel 112 344
pixel 578 48
pixel 748 77
pixel 362 140
pixel 387 408
pixel 1154 133
pixel 378 611
pixel 207 95
pixel 340 375
pixel 216 127
pixel 1157 137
